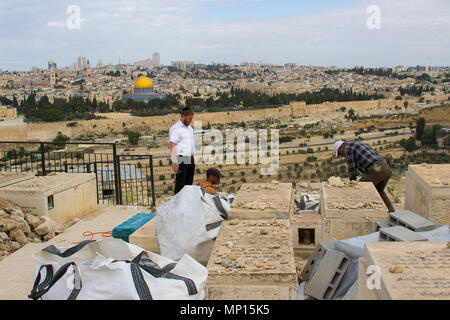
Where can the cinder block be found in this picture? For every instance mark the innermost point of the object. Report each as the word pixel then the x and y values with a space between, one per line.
pixel 328 275
pixel 411 221
pixel 318 253
pixel 383 224
pixel 399 234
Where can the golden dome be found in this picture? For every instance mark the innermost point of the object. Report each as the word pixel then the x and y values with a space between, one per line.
pixel 143 83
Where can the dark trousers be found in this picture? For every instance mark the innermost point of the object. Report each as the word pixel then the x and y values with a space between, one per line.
pixel 379 173
pixel 185 174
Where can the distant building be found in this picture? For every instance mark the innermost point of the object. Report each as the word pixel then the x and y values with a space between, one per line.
pixel 156 59
pixel 182 64
pixel 143 91
pixel 82 63
pixel 8 112
pixel 52 79
pixel 51 65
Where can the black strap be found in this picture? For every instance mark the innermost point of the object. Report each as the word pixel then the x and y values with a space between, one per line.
pixel 39 290
pixel 69 252
pixel 219 206
pixel 139 282
pixel 165 273
pixel 213 226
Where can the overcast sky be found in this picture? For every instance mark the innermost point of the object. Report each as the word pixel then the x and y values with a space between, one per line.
pixel 321 32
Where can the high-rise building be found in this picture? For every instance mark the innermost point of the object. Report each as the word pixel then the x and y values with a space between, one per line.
pixel 51 65
pixel 82 63
pixel 156 59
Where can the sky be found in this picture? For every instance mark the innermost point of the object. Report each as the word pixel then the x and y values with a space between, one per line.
pixel 341 33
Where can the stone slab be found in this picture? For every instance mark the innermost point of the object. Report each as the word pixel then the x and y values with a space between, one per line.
pixel 232 293
pixel 399 233
pixel 9 178
pixel 263 201
pixel 315 257
pixel 145 237
pixel 47 185
pixel 427 191
pixel 328 275
pixel 360 200
pixel 410 221
pixel 251 255
pixel 364 291
pixel 424 269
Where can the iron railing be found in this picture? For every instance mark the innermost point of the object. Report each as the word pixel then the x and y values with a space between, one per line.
pixel 121 179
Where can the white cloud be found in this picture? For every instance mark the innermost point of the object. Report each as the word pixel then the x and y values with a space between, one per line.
pixel 412 32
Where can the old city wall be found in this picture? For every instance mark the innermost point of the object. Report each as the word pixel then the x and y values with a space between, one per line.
pixel 48 131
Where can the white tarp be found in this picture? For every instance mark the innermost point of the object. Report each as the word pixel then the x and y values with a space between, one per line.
pixel 354 249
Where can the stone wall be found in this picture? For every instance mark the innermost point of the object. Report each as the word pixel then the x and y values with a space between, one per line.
pixel 48 131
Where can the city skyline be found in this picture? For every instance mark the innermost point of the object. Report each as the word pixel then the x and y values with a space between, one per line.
pixel 329 33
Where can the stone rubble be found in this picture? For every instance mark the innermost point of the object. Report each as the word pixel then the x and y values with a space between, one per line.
pixel 19 227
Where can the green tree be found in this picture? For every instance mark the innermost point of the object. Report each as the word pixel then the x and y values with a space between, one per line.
pixel 420 128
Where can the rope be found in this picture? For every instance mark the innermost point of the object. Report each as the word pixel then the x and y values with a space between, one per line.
pixel 105 234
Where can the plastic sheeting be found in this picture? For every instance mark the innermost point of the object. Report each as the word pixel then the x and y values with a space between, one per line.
pixel 354 249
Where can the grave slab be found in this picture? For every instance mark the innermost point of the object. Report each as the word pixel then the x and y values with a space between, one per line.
pixel 411 271
pixel 255 258
pixel 263 201
pixel 427 191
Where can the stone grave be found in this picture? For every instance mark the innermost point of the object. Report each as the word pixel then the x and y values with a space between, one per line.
pixel 263 201
pixel 60 196
pixel 350 209
pixel 427 191
pixel 407 271
pixel 253 260
pixel 9 178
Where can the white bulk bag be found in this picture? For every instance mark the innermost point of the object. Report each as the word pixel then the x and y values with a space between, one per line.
pixel 112 269
pixel 190 222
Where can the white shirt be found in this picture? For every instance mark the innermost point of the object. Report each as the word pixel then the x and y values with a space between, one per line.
pixel 183 137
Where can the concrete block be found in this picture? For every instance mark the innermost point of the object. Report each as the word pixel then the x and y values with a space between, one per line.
pixel 251 257
pixel 328 275
pixel 263 201
pixel 410 271
pixel 400 234
pixel 145 237
pixel 410 221
pixel 318 253
pixel 383 224
pixel 427 191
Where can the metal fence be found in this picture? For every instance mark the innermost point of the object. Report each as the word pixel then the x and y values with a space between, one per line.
pixel 121 179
